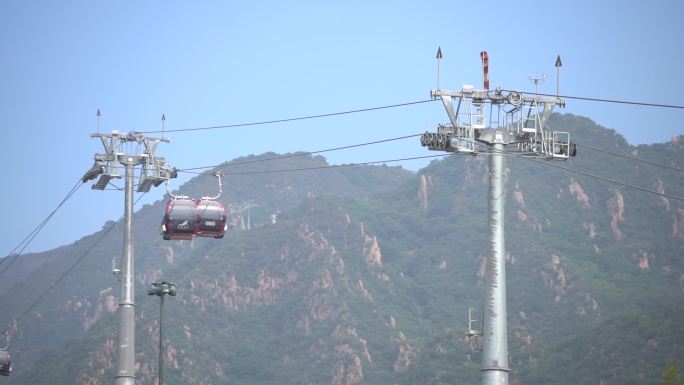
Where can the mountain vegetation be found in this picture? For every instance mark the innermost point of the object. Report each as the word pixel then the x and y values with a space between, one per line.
pixel 366 275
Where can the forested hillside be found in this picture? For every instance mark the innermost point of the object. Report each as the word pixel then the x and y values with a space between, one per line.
pixel 366 276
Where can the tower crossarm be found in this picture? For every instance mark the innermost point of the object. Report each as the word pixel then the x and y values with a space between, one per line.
pixel 153 172
pixel 515 118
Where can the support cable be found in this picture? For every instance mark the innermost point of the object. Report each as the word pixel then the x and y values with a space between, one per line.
pixel 32 235
pixel 550 164
pixel 630 157
pixel 285 120
pixel 603 178
pixel 318 167
pixel 489 152
pixel 305 153
pixel 71 268
pixel 633 103
pixel 316 116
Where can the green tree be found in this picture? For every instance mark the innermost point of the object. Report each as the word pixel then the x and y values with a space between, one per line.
pixel 671 375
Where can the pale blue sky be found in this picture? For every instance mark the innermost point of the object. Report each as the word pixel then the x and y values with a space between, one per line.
pixel 207 63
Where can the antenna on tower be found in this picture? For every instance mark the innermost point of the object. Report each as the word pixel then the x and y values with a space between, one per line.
pixel 438 57
pixel 559 64
pixel 163 119
pixel 98 120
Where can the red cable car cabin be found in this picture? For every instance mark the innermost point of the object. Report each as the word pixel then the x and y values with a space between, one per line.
pixel 180 219
pixel 211 215
pixel 5 363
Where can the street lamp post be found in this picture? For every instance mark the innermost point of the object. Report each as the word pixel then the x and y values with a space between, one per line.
pixel 161 289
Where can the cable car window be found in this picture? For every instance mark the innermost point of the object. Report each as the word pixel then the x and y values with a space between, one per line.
pixel 182 211
pixel 210 212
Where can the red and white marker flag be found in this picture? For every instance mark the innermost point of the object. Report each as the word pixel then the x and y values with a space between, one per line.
pixel 485 68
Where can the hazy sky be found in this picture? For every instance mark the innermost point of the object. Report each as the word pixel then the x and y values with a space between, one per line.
pixel 208 63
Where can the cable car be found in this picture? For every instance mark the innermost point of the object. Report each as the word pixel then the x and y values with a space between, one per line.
pixel 5 363
pixel 211 216
pixel 180 219
pixel 187 218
